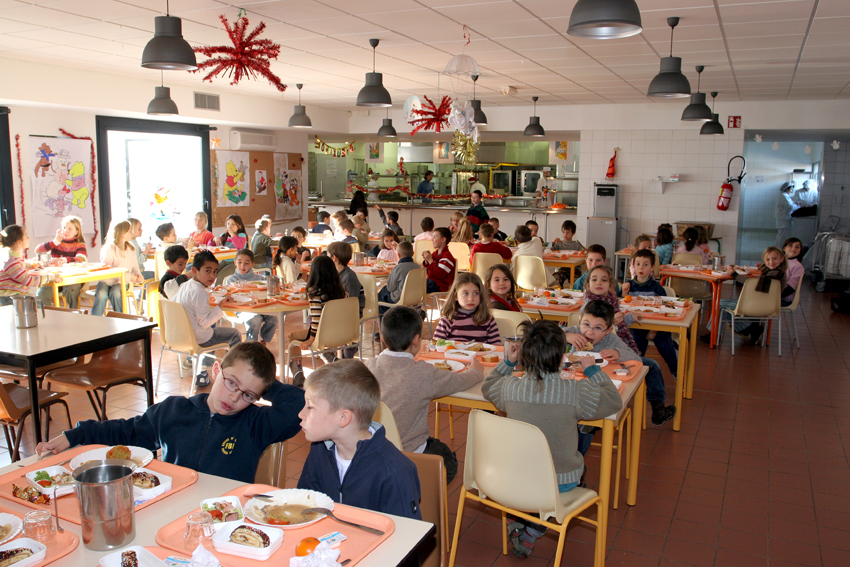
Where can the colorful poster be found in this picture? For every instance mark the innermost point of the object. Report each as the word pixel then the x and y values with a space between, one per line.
pixel 287 189
pixel 261 182
pixel 442 153
pixel 374 152
pixel 560 152
pixel 234 178
pixel 61 183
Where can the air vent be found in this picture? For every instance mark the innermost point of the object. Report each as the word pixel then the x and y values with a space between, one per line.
pixel 207 101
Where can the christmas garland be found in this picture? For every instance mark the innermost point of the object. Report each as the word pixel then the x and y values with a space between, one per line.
pixel 21 179
pixel 332 151
pixel 93 182
pixel 433 117
pixel 406 190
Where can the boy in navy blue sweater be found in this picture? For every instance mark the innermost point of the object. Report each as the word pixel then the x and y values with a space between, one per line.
pixel 221 433
pixel 351 459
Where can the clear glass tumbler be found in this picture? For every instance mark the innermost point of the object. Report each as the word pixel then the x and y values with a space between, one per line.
pixel 199 529
pixel 38 525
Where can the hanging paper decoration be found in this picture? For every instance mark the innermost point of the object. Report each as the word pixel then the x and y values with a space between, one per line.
pixel 433 117
pixel 246 58
pixel 611 169
pixel 462 119
pixel 21 179
pixel 76 180
pixel 331 150
pixel 401 170
pixel 465 148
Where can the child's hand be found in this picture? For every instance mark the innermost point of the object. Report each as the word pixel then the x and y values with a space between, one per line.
pixel 556 240
pixel 610 354
pixel 730 270
pixel 619 317
pixel 395 245
pixel 55 445
pixel 577 340
pixel 638 317
pixel 136 278
pixel 426 255
pixel 512 351
pixel 626 287
pixel 476 365
pixel 58 240
pixel 378 207
pixel 305 255
pixel 217 241
pixel 57 278
pixel 586 362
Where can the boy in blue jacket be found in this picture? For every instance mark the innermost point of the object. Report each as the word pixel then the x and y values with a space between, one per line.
pixel 351 459
pixel 221 433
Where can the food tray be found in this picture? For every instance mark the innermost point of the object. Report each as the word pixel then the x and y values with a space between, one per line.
pixel 356 547
pixel 69 507
pixel 66 542
pixel 633 367
pixel 532 307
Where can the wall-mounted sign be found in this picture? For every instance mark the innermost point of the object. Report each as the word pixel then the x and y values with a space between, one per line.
pixel 734 122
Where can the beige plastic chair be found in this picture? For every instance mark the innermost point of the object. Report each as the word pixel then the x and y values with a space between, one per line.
pixel 482 261
pixel 271 468
pixel 413 292
pixel 792 309
pixel 508 321
pixel 177 335
pixel 339 326
pixel 530 272
pixel 370 307
pixel 656 271
pixel 384 416
pixel 433 504
pixel 683 287
pixel 419 247
pixel 228 270
pixel 498 452
pixel 687 259
pixel 755 306
pixel 460 250
pixel 15 408
pixel 152 300
pixel 159 264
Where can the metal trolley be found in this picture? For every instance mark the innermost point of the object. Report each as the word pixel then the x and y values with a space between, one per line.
pixel 830 255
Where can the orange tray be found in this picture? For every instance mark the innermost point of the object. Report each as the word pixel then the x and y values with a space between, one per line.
pixel 66 542
pixel 659 316
pixel 69 506
pixel 563 256
pixel 633 367
pixel 358 545
pixel 563 308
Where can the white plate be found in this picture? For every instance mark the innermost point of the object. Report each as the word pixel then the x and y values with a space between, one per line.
pixel 39 552
pixel 13 521
pixel 138 454
pixel 309 498
pixel 146 494
pixel 575 294
pixel 221 542
pixel 718 272
pixel 465 356
pixel 487 347
pixel 241 298
pixel 456 365
pixel 596 355
pixel 644 309
pixel 61 490
pixel 145 557
pixel 237 504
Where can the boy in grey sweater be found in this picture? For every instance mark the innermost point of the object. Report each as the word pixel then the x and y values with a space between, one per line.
pixel 391 292
pixel 340 253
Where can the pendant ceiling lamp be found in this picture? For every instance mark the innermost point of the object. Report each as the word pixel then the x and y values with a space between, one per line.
pixel 697 110
pixel 534 128
pixel 387 130
pixel 374 93
pixel 605 19
pixel 162 105
pixel 168 51
pixel 479 117
pixel 713 126
pixel 299 118
pixel 670 82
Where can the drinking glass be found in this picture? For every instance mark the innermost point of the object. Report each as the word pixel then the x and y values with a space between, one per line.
pixel 199 529
pixel 39 526
pixel 538 291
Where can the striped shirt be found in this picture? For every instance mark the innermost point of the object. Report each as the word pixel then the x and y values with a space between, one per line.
pixel 316 306
pixel 463 328
pixel 15 278
pixel 71 250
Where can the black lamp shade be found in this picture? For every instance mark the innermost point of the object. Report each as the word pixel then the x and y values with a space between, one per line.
pixel 299 118
pixel 712 127
pixel 697 110
pixel 605 19
pixel 387 130
pixel 479 117
pixel 168 51
pixel 162 103
pixel 670 82
pixel 534 128
pixel 374 93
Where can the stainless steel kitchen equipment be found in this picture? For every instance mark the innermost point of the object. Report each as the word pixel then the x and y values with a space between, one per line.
pixel 26 311
pixel 107 513
pixel 605 200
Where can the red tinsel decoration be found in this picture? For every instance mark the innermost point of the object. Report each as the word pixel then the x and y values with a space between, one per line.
pixel 21 179
pixel 93 182
pixel 435 117
pixel 248 57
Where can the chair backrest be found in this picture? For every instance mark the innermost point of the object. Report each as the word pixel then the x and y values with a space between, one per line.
pixel 482 261
pixel 384 416
pixel 460 250
pixel 493 463
pixel 370 291
pixel 8 410
pixel 271 468
pixel 687 259
pixel 796 301
pixel 127 357
pixel 684 287
pixel 530 272
pixel 421 246
pixel 152 300
pixel 433 503
pixel 415 288
pixel 574 318
pixel 339 323
pixel 752 303
pixel 355 247
pixel 228 270
pixel 656 271
pixel 66 309
pixel 670 291
pixel 159 263
pixel 508 321
pixel 175 329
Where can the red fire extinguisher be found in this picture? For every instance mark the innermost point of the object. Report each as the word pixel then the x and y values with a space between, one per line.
pixel 727 188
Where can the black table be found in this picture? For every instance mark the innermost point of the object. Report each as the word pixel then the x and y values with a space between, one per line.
pixel 60 336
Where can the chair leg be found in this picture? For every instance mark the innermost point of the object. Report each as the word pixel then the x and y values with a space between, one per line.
pixel 458 521
pixel 67 414
pixel 599 555
pixel 451 423
pixel 95 404
pixel 732 339
pixel 504 533
pixel 617 468
pixel 628 424
pixel 562 536
pixel 159 369
pixel 437 421
pixel 16 454
pixel 779 333
pixel 794 324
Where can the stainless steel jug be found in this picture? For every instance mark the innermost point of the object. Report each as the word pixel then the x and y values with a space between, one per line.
pixel 719 263
pixel 359 258
pixel 275 286
pixel 26 311
pixel 107 513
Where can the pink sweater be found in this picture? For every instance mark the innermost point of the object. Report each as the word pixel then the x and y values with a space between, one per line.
pixel 463 328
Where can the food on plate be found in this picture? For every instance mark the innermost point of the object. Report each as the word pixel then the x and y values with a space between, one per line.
pixel 119 452
pixel 672 314
pixel 145 480
pixel 129 559
pixel 451 347
pixel 553 302
pixel 12 556
pixel 286 514
pixel 627 299
pixel 252 537
pixel 5 530
pixel 490 358
pixel 689 302
pixel 306 546
pixel 477 347
pixel 30 494
pixel 42 478
pixel 443 365
pixel 222 511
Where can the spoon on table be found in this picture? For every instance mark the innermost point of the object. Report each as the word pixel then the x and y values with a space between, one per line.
pixel 327 512
pixel 56 512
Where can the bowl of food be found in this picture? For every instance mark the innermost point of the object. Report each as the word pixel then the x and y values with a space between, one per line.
pixel 285 508
pixel 53 481
pixel 224 510
pixel 253 542
pixel 450 365
pixel 148 484
pixel 440 345
pixel 465 356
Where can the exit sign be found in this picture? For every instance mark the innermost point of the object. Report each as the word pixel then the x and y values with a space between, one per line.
pixel 734 122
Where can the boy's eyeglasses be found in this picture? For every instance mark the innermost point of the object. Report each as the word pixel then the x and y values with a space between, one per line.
pixel 249 397
pixel 585 325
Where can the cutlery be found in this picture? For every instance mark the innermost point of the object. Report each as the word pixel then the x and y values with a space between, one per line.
pixel 263 496
pixel 327 512
pixel 346 562
pixel 56 512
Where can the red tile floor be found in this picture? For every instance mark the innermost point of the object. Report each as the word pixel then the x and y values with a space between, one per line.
pixel 757 476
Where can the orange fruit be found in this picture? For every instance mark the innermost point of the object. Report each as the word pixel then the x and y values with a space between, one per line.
pixel 547 294
pixel 306 546
pixel 627 299
pixel 450 347
pixel 520 300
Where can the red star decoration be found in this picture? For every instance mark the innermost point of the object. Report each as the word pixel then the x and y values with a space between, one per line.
pixel 434 117
pixel 247 57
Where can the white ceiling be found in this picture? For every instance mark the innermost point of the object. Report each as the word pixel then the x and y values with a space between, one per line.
pixel 752 49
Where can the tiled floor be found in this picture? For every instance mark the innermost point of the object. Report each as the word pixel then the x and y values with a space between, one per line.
pixel 757 476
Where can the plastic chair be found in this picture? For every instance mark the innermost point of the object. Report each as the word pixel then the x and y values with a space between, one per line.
pixel 482 261
pixel 697 290
pixel 433 504
pixel 152 301
pixel 498 452
pixel 339 326
pixel 460 250
pixel 15 408
pixel 413 292
pixel 228 270
pixel 508 321
pixel 370 308
pixel 687 259
pixel 384 416
pixel 159 263
pixel 271 468
pixel 792 310
pixel 419 247
pixel 177 335
pixel 756 306
pixel 530 272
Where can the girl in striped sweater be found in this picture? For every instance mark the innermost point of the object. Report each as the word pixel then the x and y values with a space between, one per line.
pixel 466 315
pixel 71 245
pixel 14 277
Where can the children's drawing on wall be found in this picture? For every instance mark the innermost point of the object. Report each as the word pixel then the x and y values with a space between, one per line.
pixel 261 181
pixel 60 181
pixel 287 189
pixel 234 177
pixel 163 208
pixel 374 152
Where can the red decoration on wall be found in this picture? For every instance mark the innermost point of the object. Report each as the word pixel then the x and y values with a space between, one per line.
pixel 93 182
pixel 611 169
pixel 21 180
pixel 434 117
pixel 246 58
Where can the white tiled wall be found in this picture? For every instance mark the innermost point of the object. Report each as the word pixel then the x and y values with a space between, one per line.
pixel 835 191
pixel 699 160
